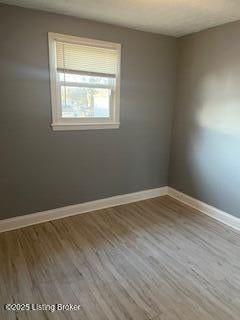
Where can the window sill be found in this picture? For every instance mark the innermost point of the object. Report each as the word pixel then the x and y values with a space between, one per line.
pixel 87 126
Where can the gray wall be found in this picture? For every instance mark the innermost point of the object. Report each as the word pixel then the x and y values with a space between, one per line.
pixel 205 155
pixel 42 169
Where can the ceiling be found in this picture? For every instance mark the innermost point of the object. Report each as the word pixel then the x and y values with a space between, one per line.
pixel 171 17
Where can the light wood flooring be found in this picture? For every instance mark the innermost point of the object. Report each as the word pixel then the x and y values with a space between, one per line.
pixel 155 259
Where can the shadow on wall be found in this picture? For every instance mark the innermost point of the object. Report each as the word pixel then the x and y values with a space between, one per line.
pixel 211 137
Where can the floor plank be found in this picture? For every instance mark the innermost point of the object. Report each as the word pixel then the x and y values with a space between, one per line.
pixel 155 259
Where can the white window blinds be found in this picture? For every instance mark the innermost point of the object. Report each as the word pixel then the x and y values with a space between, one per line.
pixel 85 59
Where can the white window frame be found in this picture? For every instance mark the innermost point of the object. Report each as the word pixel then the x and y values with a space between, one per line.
pixel 60 123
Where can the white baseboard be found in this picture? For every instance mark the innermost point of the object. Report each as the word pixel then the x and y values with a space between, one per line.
pixel 54 214
pixel 39 217
pixel 213 212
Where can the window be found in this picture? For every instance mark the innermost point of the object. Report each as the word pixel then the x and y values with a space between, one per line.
pixel 85 83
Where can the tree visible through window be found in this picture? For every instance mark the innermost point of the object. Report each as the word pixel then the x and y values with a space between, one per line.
pixel 83 101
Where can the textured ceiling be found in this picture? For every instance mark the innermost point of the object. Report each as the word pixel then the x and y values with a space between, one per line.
pixel 172 17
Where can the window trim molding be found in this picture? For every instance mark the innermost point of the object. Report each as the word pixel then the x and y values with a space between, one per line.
pixel 59 123
pixel 87 126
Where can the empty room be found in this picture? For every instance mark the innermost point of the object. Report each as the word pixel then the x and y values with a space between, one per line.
pixel 120 160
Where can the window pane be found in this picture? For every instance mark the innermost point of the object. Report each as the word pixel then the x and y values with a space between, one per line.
pixel 81 102
pixel 80 78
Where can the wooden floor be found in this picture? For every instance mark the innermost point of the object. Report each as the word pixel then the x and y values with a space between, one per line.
pixel 155 259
